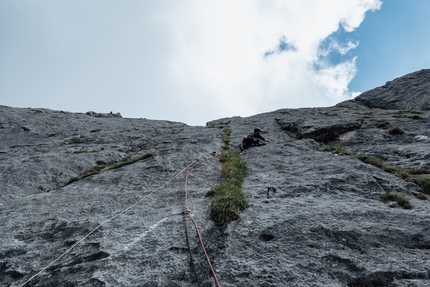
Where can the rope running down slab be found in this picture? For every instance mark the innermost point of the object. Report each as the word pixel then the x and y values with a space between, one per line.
pixel 196 162
pixel 188 212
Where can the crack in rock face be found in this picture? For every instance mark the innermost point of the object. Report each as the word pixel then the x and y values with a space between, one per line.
pixel 266 237
pixel 319 196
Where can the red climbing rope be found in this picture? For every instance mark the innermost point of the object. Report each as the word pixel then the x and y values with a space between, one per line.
pixel 186 229
pixel 188 212
pixel 195 163
pixel 204 250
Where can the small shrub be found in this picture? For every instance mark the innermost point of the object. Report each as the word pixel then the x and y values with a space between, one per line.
pixel 404 114
pixel 423 182
pixel 420 196
pixel 382 124
pixel 416 117
pixel 426 185
pixel 403 202
pixel 396 131
pixel 388 196
pixel 394 196
pixel 372 160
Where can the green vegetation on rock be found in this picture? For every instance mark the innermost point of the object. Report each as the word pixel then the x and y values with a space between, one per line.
pixel 85 151
pixel 422 181
pixel 382 124
pixel 416 175
pixel 105 167
pixel 228 199
pixel 368 114
pixel 411 114
pixel 420 196
pixel 396 131
pixel 76 140
pixel 336 149
pixel 226 136
pixel 394 196
pixel 374 161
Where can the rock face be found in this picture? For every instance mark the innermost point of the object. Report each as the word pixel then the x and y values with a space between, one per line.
pixel 407 92
pixel 314 217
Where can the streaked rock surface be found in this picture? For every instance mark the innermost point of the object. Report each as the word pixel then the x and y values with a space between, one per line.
pixel 314 217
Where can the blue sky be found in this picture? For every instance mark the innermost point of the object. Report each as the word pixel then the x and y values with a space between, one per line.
pixel 394 41
pixel 195 61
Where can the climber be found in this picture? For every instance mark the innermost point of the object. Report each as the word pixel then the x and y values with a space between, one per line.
pixel 253 140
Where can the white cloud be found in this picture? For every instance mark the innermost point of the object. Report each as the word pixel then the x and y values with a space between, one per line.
pixel 219 48
pixel 189 60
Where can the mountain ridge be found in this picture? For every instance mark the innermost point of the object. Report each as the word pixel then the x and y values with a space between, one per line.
pixel 315 216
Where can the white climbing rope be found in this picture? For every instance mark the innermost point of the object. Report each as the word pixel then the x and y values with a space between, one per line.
pixel 193 164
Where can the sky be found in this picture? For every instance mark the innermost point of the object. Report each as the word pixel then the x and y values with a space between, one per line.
pixel 194 61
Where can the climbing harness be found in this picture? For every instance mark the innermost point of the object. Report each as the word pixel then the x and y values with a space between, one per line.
pixel 187 169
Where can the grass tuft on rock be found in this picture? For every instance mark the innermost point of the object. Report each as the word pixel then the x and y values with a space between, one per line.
pixel 420 196
pixel 77 140
pixel 411 114
pixel 418 176
pixel 398 171
pixel 382 124
pixel 228 199
pixel 396 131
pixel 105 167
pixel 226 136
pixel 336 149
pixel 233 167
pixel 422 181
pixel 389 195
pixel 373 161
